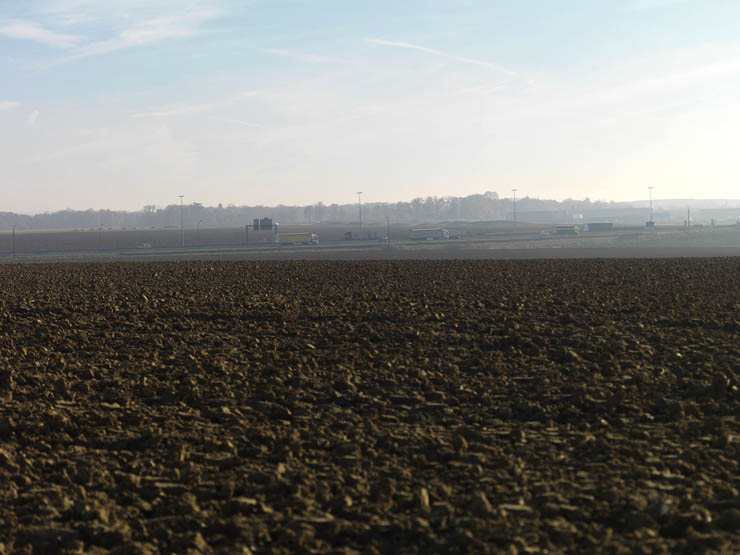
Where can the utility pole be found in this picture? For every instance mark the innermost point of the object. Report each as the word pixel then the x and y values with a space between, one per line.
pixel 514 191
pixel 359 198
pixel 182 222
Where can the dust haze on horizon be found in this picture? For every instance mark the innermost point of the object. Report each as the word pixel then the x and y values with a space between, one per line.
pixel 127 103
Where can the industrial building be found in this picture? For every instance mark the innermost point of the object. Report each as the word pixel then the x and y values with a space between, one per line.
pixel 367 235
pixel 599 226
pixel 436 233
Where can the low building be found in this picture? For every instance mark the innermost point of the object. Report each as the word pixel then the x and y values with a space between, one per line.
pixel 568 229
pixel 367 235
pixel 599 226
pixel 433 234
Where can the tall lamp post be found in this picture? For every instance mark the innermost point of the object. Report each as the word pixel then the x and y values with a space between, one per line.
pixel 182 223
pixel 514 191
pixel 359 199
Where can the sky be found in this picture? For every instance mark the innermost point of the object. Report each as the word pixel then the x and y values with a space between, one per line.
pixel 125 103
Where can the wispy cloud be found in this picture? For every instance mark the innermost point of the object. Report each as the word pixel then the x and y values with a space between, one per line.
pixel 434 52
pixel 190 109
pixel 305 57
pixel 242 123
pixel 199 109
pixel 29 30
pixel 119 12
pixel 677 79
pixel 173 112
pixel 7 105
pixel 161 28
pixel 183 24
pixel 666 85
pixel 32 117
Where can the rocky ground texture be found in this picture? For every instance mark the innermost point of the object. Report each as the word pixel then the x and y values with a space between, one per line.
pixel 417 406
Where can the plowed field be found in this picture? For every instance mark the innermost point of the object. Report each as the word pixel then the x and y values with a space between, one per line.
pixel 408 406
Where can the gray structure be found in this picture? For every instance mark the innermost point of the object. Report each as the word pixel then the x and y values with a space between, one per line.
pixel 436 233
pixel 599 226
pixel 367 235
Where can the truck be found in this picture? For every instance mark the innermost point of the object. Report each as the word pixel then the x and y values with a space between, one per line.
pixel 298 239
pixel 566 229
pixel 429 234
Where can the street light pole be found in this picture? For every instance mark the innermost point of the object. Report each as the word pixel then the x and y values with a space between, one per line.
pixel 359 198
pixel 182 222
pixel 514 191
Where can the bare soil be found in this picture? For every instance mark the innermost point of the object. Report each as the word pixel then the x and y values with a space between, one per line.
pixel 377 406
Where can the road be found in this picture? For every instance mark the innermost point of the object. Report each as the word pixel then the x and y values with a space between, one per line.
pixel 373 251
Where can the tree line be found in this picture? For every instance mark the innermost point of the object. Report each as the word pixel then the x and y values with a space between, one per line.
pixel 486 206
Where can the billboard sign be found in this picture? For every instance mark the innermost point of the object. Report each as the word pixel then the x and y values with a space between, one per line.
pixel 262 224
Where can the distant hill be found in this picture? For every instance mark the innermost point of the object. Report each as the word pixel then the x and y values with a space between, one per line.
pixel 683 203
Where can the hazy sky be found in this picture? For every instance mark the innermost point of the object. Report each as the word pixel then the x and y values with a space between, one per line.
pixel 122 103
